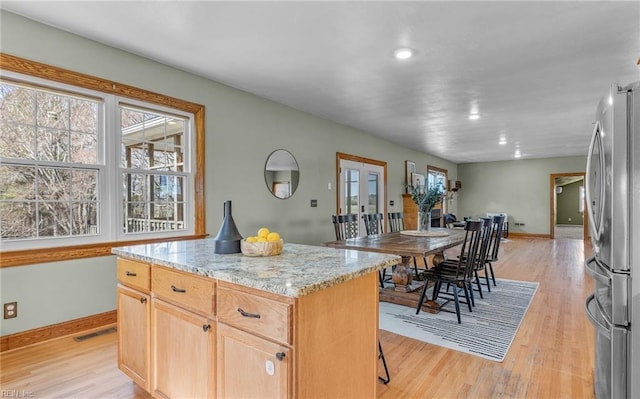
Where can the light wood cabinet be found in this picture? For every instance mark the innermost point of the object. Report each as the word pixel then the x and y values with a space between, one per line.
pixel 183 352
pixel 133 309
pixel 133 334
pixel 252 367
pixel 187 336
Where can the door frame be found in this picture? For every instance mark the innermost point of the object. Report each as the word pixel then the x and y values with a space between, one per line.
pixel 355 158
pixel 552 210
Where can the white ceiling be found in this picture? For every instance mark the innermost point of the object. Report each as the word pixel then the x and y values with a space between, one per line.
pixel 533 70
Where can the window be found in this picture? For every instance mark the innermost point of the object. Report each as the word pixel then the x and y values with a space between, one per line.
pixel 154 176
pixel 85 167
pixel 50 166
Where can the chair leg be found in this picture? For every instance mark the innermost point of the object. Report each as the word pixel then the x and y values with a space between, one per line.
pixel 493 276
pixel 381 274
pixel 473 300
pixel 422 295
pixel 478 283
pixel 486 277
pixel 415 266
pixel 457 302
pixel 384 363
pixel 466 295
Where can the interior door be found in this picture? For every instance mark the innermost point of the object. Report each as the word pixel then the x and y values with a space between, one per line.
pixel 361 189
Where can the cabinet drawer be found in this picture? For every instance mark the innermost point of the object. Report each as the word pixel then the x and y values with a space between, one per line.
pixel 185 290
pixel 256 314
pixel 134 274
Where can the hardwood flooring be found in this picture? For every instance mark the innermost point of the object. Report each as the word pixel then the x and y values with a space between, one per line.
pixel 551 356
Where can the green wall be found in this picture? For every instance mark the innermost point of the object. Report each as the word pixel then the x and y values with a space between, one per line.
pixel 568 205
pixel 241 131
pixel 519 188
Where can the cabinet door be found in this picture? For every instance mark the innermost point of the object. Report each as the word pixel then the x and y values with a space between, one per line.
pixel 251 367
pixel 133 335
pixel 183 350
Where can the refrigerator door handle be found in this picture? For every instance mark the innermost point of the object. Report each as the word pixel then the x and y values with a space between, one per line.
pixel 596 220
pixel 593 269
pixel 592 317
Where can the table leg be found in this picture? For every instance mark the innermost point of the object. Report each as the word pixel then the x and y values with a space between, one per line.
pixel 401 276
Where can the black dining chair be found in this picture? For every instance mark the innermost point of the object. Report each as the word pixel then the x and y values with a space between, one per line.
pixel 396 223
pixel 494 248
pixel 456 273
pixel 373 223
pixel 481 258
pixel 346 226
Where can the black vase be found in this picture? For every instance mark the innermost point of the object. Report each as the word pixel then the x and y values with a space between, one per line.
pixel 228 239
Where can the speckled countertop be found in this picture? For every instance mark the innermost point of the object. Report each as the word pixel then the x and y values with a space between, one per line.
pixel 299 270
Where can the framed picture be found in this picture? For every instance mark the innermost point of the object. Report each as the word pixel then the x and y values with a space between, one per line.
pixel 417 180
pixel 282 189
pixel 410 167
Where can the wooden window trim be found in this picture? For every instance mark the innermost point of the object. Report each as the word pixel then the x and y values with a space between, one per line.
pixel 60 75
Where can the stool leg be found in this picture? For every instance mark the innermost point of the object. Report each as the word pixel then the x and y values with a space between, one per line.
pixel 384 363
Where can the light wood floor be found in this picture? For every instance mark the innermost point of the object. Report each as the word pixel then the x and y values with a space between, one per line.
pixel 551 356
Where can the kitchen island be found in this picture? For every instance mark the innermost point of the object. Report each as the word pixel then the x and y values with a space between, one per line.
pixel 192 323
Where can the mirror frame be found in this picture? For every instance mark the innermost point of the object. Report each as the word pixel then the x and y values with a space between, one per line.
pixel 274 184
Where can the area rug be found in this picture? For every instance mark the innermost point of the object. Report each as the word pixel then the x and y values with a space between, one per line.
pixel 486 332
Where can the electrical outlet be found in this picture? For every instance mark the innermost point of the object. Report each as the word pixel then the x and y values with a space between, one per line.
pixel 10 310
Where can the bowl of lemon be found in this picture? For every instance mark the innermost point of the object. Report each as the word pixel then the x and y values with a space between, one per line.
pixel 264 243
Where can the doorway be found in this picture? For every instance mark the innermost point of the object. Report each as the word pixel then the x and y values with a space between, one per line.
pixel 568 218
pixel 362 187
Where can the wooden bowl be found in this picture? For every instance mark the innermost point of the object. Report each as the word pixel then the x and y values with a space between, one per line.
pixel 261 248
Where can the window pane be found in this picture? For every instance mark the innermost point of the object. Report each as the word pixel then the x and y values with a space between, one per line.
pixel 53 145
pixel 372 188
pixel 84 218
pixel 84 116
pixel 52 110
pixel 17 141
pixel 17 104
pixel 54 184
pixel 54 219
pixel 84 148
pixel 84 185
pixel 17 182
pixel 17 220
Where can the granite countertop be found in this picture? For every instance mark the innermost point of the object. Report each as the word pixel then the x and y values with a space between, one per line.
pixel 299 270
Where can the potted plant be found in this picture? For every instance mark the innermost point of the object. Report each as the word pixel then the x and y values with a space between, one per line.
pixel 426 198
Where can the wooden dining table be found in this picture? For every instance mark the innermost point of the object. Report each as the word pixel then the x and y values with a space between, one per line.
pixel 407 244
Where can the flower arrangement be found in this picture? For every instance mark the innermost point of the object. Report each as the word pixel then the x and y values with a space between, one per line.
pixel 426 199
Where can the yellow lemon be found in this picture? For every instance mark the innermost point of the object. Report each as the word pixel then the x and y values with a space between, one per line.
pixel 261 239
pixel 263 232
pixel 252 239
pixel 273 236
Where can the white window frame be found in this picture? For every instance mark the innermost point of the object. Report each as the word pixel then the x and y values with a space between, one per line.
pixel 108 161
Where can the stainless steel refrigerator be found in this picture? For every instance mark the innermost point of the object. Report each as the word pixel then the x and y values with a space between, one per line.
pixel 613 204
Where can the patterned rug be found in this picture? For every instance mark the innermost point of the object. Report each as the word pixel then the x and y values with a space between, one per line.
pixel 486 332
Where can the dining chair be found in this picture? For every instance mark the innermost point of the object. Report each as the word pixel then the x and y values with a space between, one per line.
pixel 492 255
pixel 396 223
pixel 346 226
pixel 373 223
pixel 480 262
pixel 456 273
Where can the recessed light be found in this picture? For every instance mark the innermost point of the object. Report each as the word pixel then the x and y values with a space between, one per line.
pixel 473 117
pixel 403 53
pixel 517 154
pixel 502 141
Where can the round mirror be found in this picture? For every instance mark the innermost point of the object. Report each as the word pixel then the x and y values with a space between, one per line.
pixel 281 174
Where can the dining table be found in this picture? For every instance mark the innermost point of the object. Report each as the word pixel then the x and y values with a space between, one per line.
pixel 408 244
